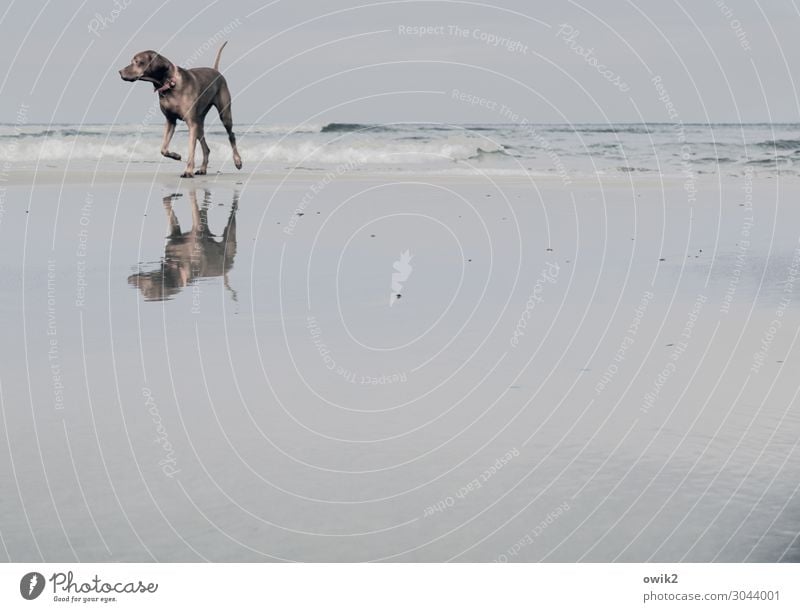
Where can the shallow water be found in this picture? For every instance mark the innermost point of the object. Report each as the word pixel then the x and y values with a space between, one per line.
pixel 241 383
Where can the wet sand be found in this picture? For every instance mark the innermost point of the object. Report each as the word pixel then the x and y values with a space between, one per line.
pixel 398 367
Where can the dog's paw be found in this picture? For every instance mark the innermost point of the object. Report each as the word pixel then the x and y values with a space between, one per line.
pixel 199 172
pixel 237 163
pixel 187 175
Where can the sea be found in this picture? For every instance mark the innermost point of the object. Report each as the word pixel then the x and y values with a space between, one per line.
pixel 567 151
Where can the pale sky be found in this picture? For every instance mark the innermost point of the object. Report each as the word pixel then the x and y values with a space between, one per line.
pixel 319 61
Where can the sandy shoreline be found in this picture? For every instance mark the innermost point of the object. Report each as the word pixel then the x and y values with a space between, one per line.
pixel 597 372
pixel 171 174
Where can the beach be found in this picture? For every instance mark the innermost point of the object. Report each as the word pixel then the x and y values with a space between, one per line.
pixel 342 364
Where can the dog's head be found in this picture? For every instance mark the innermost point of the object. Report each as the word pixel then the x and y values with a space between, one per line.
pixel 147 66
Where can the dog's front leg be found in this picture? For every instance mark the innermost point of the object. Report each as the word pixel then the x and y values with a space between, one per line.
pixel 189 172
pixel 169 130
pixel 206 151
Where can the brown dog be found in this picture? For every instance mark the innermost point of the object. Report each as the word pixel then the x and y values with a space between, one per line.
pixel 187 95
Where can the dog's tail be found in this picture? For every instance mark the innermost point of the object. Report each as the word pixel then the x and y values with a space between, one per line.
pixel 219 53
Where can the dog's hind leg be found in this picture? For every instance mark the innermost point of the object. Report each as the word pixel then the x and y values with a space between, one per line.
pixel 229 245
pixel 229 234
pixel 172 218
pixel 223 104
pixel 169 130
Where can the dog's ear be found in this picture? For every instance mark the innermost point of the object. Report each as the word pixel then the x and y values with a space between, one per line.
pixel 159 66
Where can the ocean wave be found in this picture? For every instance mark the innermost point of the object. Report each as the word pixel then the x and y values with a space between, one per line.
pixel 781 145
pixel 288 150
pixel 632 170
pixel 770 161
pixel 17 132
pixel 354 127
pixel 482 154
pixel 64 149
pixel 51 133
pixel 714 160
pixel 372 151
pixel 606 148
pixel 584 129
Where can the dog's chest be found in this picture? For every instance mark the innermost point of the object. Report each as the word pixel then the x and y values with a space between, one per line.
pixel 171 105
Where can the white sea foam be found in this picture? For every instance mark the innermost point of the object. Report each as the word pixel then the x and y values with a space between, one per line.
pixel 258 145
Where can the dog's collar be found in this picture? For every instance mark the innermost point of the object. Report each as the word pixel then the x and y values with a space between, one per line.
pixel 166 87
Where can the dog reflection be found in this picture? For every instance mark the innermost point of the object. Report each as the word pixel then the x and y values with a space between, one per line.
pixel 192 255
